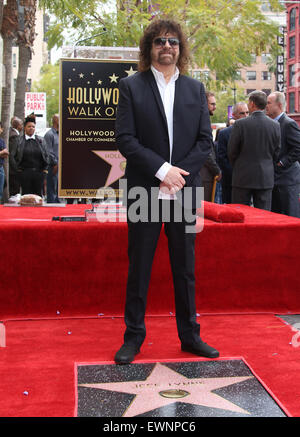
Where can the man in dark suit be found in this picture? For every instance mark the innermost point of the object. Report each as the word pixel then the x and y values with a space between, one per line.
pixel 253 150
pixel 285 198
pixel 239 110
pixel 14 138
pixel 163 131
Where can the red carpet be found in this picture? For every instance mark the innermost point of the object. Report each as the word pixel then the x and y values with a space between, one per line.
pixel 37 366
pixel 80 269
pixel 246 262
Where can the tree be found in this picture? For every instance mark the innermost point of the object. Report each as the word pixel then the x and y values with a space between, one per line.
pixel 222 33
pixel 8 33
pixel 1 12
pixel 25 40
pixel 49 83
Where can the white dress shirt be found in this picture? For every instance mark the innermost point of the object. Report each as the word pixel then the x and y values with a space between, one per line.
pixel 27 137
pixel 167 94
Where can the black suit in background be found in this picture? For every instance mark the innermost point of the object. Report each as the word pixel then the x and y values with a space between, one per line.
pixel 208 172
pixel 142 138
pixel 253 151
pixel 225 166
pixel 285 198
pixel 14 182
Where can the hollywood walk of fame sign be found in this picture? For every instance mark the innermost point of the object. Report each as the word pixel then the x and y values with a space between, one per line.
pixel 179 389
pixel 89 162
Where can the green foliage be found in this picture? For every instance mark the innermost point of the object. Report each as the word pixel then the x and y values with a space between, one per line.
pixel 49 83
pixel 222 34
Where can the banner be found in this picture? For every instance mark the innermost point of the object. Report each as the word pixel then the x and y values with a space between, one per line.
pixel 280 61
pixel 88 157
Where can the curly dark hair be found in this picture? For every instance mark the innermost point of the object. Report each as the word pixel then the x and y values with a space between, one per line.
pixel 158 27
pixel 30 119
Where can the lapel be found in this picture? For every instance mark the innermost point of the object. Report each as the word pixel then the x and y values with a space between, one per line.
pixel 281 119
pixel 157 97
pixel 177 115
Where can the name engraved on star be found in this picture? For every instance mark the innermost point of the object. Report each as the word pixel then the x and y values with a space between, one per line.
pixel 146 385
pixel 171 384
pixel 186 383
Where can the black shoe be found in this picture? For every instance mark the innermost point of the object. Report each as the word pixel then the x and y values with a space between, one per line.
pixel 126 354
pixel 202 349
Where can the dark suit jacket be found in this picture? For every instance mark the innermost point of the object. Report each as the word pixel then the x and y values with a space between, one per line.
pixel 222 158
pixel 253 151
pixel 142 134
pixel 43 149
pixel 289 174
pixel 13 144
pixel 210 168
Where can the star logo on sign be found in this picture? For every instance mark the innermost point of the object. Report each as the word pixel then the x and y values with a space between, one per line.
pixel 130 72
pixel 117 162
pixel 81 75
pixel 165 386
pixel 113 78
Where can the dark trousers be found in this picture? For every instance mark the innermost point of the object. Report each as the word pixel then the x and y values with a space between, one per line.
pixel 32 181
pixel 262 199
pixel 142 242
pixel 285 200
pixel 208 188
pixel 226 187
pixel 14 184
pixel 52 186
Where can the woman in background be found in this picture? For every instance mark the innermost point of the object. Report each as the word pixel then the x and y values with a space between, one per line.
pixel 32 159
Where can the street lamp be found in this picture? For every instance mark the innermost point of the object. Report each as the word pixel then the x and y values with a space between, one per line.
pixel 86 39
pixel 234 94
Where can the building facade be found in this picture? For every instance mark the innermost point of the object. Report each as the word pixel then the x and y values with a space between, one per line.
pixel 256 76
pixel 293 60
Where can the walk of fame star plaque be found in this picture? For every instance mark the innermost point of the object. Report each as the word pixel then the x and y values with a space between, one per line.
pixel 89 162
pixel 223 388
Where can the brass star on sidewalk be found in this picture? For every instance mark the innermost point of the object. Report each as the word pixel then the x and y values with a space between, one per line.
pixel 165 386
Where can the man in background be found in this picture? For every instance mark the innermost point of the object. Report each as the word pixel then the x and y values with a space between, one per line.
pixel 210 169
pixel 239 110
pixel 253 150
pixel 52 139
pixel 285 196
pixel 14 137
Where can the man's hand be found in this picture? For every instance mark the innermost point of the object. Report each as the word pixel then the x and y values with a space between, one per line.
pixel 218 177
pixel 54 169
pixel 173 180
pixel 4 153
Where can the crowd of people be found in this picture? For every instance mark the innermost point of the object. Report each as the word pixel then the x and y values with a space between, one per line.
pixel 33 160
pixel 255 159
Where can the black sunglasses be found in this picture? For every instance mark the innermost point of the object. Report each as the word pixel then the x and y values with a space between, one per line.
pixel 162 41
